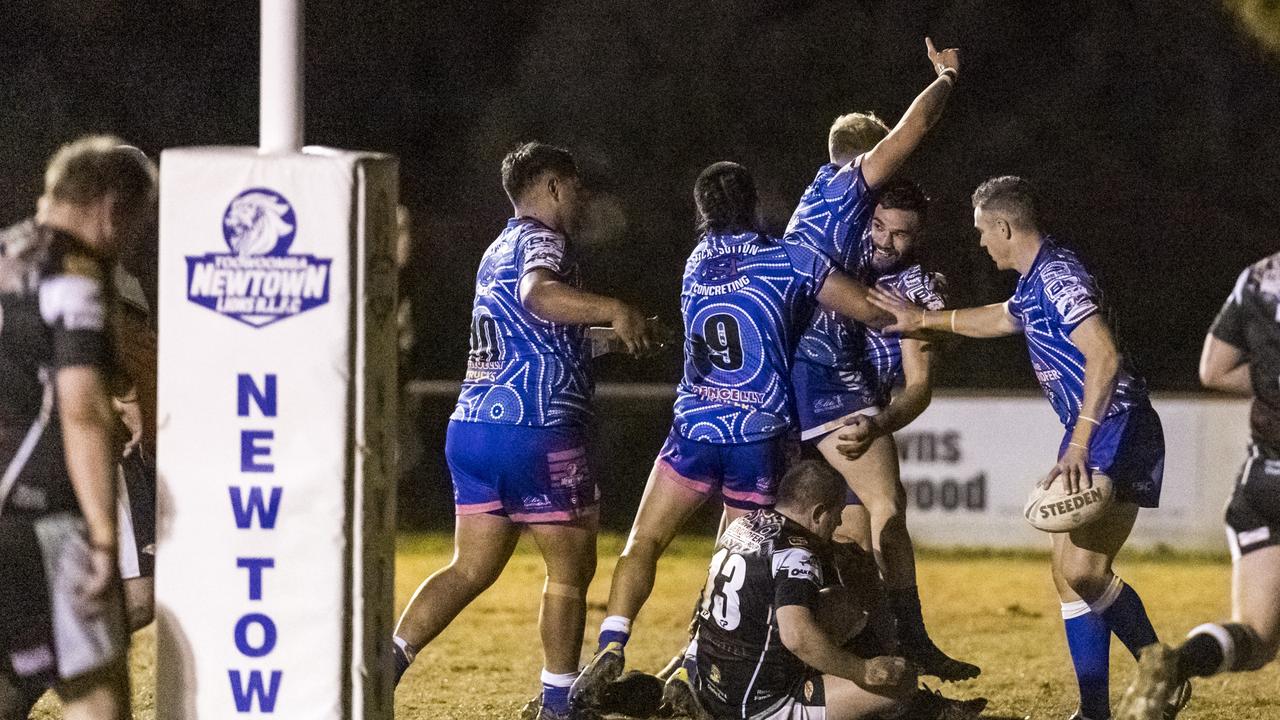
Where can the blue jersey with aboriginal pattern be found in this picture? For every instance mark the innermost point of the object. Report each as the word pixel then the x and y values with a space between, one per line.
pixel 878 367
pixel 1051 300
pixel 745 300
pixel 832 217
pixel 523 370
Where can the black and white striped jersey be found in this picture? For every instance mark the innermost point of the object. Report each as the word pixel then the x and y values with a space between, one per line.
pixel 54 300
pixel 763 561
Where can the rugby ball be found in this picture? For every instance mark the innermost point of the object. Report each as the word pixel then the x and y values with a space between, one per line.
pixel 840 614
pixel 1053 510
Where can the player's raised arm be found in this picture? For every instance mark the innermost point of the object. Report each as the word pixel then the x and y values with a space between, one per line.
pixel 545 295
pixel 986 321
pixel 882 161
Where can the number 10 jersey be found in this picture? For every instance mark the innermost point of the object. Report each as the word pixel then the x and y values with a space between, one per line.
pixel 746 298
pixel 523 370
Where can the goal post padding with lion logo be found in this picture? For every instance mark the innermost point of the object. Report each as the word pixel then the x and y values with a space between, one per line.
pixel 276 421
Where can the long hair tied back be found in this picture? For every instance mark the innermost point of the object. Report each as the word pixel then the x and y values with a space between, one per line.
pixel 725 194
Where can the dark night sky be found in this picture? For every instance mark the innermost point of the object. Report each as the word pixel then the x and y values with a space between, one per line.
pixel 1151 127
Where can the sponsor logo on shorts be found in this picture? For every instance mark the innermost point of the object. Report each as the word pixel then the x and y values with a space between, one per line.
pixel 1071 504
pixel 828 404
pixel 259 282
pixel 808 691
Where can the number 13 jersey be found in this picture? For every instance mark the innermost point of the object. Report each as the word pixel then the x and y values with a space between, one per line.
pixel 763 562
pixel 746 299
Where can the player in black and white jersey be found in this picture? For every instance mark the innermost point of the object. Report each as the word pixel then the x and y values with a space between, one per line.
pixel 761 652
pixel 1241 356
pixel 132 385
pixel 62 619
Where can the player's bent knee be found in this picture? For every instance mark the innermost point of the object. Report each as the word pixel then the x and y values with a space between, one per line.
pixel 644 547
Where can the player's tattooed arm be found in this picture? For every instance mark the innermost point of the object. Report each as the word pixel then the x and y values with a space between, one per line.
pixel 986 321
pixel 545 295
pixel 1224 367
pixel 802 635
pixel 882 161
pixel 907 405
pixel 1101 366
pixel 844 295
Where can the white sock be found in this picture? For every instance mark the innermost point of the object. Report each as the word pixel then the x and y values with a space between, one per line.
pixel 616 623
pixel 401 643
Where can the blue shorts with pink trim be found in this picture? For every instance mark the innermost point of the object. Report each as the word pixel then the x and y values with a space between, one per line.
pixel 746 475
pixel 529 474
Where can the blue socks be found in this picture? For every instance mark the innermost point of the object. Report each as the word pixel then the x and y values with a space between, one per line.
pixel 555 691
pixel 1089 627
pixel 1121 607
pixel 1089 640
pixel 615 628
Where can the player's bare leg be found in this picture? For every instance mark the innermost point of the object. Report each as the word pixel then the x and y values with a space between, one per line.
pixel 483 544
pixel 1096 604
pixel 569 551
pixel 664 508
pixel 99 695
pixel 875 478
pixel 1248 643
pixel 855 527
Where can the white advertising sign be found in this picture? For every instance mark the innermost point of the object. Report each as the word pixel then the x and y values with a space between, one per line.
pixel 969 462
pixel 276 411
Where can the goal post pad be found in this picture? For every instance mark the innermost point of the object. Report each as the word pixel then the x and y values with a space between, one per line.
pixel 276 430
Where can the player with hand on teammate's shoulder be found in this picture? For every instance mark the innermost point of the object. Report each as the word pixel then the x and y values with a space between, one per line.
pixel 1102 402
pixel 868 221
pixel 517 439
pixel 746 297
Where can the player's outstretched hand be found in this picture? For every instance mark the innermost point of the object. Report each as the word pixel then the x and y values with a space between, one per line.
pixel 633 330
pixel 942 59
pixel 907 318
pixel 860 432
pixel 96 577
pixel 887 671
pixel 1073 469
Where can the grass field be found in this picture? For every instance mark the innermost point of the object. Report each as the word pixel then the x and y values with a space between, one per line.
pixel 996 610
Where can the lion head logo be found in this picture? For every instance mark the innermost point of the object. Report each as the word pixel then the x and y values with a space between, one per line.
pixel 258 222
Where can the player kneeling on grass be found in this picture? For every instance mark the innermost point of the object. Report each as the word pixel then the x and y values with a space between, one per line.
pixel 1241 356
pixel 516 444
pixel 1100 399
pixel 767 646
pixel 61 611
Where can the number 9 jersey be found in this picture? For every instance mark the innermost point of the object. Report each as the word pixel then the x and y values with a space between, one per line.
pixel 745 300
